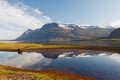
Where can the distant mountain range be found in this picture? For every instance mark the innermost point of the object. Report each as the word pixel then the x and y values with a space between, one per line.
pixel 63 32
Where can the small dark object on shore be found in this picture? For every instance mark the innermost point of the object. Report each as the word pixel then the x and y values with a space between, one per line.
pixel 19 51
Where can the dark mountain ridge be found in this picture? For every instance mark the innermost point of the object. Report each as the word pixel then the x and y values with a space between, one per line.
pixel 115 33
pixel 57 32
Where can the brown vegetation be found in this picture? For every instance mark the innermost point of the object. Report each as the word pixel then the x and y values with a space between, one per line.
pixel 8 73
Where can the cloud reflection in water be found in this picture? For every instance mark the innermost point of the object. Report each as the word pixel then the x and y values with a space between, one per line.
pixel 100 65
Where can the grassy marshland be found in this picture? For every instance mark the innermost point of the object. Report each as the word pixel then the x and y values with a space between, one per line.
pixel 9 73
pixel 30 47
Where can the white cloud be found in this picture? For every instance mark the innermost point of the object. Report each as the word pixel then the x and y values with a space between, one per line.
pixel 20 61
pixel 115 56
pixel 9 34
pixel 16 18
pixel 37 11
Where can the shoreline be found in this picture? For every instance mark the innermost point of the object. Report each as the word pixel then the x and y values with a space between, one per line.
pixel 6 71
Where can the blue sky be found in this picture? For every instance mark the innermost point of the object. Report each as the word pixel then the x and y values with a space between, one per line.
pixel 16 16
pixel 92 12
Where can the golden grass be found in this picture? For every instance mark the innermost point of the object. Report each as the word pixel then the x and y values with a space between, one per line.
pixel 43 74
pixel 30 47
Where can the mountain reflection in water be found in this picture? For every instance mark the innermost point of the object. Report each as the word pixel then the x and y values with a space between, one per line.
pixel 55 53
pixel 100 65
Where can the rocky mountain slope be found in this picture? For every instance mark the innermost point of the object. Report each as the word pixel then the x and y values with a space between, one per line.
pixel 115 33
pixel 63 32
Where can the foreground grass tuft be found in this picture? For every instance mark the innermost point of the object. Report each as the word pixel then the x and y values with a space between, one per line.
pixel 15 73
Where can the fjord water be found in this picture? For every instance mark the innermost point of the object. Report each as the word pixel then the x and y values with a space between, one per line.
pixel 99 65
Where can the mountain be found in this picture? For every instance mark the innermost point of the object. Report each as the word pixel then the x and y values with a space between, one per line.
pixel 49 32
pixel 63 32
pixel 26 34
pixel 115 33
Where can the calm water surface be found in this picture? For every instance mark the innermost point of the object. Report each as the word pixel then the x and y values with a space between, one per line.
pixel 100 65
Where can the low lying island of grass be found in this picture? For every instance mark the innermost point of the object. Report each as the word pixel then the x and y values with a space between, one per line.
pixel 30 47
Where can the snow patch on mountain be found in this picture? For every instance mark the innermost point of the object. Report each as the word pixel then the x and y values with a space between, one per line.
pixel 64 26
pixel 83 26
